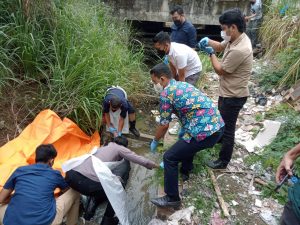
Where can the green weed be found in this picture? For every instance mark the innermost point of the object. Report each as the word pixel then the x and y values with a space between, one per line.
pixel 73 51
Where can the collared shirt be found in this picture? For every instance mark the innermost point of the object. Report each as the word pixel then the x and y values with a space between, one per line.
pixel 256 8
pixel 119 93
pixel 198 115
pixel 111 153
pixel 182 56
pixel 185 34
pixel 237 62
pixel 33 201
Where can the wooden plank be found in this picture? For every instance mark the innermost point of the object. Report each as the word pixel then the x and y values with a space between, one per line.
pixel 143 137
pixel 219 195
pixel 260 181
pixel 295 95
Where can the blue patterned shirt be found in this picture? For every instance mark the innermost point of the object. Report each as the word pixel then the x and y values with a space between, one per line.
pixel 198 115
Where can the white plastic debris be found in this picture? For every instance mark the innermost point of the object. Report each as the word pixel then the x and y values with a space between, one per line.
pixel 234 203
pixel 183 215
pixel 258 203
pixel 263 138
pixel 267 217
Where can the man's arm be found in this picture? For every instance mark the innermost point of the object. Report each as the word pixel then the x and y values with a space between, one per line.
pixel 107 119
pixel 287 162
pixel 5 195
pixel 217 46
pixel 181 74
pixel 173 69
pixel 217 65
pixel 192 37
pixel 161 131
pixel 121 124
pixel 135 158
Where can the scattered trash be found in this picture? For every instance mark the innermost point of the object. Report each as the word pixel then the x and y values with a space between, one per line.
pixel 261 100
pixel 183 215
pixel 268 218
pixel 264 137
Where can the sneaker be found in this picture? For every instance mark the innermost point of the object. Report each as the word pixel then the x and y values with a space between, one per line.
pixel 174 130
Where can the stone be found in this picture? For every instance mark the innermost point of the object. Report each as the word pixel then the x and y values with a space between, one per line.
pixel 233 212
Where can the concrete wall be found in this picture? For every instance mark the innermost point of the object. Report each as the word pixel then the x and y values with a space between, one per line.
pixel 197 11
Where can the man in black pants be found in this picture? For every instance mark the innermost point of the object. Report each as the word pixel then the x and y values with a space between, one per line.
pixel 84 179
pixel 234 73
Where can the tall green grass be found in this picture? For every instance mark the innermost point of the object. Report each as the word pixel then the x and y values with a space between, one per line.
pixel 280 34
pixel 74 50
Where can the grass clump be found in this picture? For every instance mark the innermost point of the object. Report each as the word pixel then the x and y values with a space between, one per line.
pixel 280 35
pixel 73 50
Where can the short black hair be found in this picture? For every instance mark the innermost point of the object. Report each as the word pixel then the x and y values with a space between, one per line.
pixel 44 153
pixel 121 140
pixel 233 16
pixel 162 38
pixel 177 9
pixel 160 70
pixel 115 102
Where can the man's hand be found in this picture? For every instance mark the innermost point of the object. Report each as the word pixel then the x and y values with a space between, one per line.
pixel 203 42
pixel 112 130
pixel 208 50
pixel 285 167
pixel 153 146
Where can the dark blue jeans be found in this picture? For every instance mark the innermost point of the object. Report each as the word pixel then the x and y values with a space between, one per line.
pixel 229 109
pixel 183 152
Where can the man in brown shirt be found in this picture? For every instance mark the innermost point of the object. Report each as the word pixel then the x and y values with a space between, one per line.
pixel 234 72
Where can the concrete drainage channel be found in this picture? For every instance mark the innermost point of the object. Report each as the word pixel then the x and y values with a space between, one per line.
pixel 140 189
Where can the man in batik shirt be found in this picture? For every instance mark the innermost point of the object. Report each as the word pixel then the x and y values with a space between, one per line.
pixel 201 128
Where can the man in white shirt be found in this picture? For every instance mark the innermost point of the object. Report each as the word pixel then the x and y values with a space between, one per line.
pixel 184 62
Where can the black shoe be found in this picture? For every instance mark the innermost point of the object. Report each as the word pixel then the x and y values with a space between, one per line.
pixel 185 176
pixel 90 209
pixel 109 221
pixel 166 201
pixel 134 131
pixel 218 164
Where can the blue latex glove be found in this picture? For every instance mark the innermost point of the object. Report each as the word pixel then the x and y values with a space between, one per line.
pixel 153 146
pixel 112 130
pixel 162 165
pixel 119 133
pixel 203 42
pixel 166 60
pixel 208 50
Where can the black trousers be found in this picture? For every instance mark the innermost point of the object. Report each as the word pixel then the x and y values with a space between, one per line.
pixel 288 216
pixel 94 189
pixel 183 152
pixel 229 109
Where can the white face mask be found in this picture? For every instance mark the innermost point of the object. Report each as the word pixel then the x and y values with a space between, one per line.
pixel 158 88
pixel 224 36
